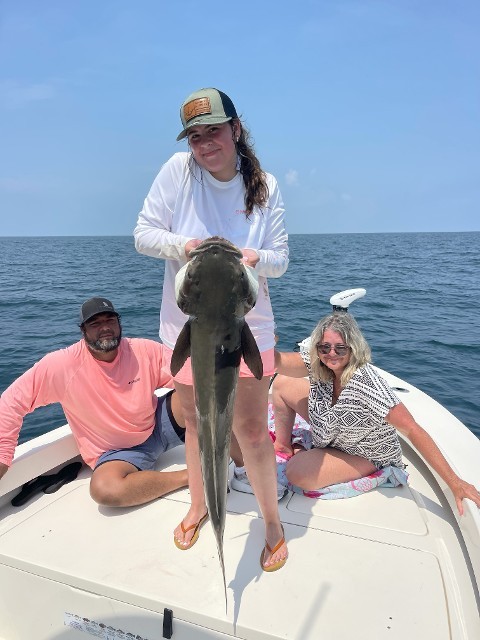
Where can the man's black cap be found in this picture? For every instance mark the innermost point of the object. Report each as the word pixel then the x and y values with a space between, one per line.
pixel 95 306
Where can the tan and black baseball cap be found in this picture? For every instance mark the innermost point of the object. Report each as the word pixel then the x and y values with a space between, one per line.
pixel 206 106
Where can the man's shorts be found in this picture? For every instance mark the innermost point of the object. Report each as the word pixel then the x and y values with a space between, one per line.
pixel 166 435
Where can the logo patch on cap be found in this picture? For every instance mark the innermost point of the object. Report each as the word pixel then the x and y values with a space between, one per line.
pixel 196 107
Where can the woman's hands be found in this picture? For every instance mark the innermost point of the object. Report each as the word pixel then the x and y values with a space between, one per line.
pixel 403 420
pixel 250 256
pixel 191 245
pixel 462 489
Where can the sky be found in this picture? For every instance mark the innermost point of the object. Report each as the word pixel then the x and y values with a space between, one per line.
pixel 366 111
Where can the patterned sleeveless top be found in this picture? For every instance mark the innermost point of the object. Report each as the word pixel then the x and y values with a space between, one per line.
pixel 356 423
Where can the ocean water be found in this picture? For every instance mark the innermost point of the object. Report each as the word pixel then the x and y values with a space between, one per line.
pixel 421 314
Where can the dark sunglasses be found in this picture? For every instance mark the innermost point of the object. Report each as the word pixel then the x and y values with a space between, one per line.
pixel 326 347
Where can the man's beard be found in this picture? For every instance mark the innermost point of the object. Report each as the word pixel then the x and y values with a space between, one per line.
pixel 104 345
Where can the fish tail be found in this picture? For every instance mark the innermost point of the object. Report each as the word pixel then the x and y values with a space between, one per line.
pixel 222 564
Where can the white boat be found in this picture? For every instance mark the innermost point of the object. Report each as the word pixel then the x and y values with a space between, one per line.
pixel 393 563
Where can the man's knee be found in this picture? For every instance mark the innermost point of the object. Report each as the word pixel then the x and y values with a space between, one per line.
pixel 107 491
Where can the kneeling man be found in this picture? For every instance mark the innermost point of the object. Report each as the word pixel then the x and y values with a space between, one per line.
pixel 105 384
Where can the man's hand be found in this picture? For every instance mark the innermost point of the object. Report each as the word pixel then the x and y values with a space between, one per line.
pixel 3 469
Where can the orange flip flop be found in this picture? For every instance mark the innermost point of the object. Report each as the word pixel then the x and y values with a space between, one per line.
pixel 196 533
pixel 276 565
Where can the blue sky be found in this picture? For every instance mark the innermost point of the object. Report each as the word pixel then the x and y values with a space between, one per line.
pixel 366 111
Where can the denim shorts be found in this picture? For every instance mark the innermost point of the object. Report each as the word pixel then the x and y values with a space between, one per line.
pixel 166 435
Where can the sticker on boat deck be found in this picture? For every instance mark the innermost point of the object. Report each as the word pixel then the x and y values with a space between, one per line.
pixel 97 629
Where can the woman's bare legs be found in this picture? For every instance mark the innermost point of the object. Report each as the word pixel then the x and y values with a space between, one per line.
pixel 235 451
pixel 289 397
pixel 315 468
pixel 251 430
pixel 319 468
pixel 250 427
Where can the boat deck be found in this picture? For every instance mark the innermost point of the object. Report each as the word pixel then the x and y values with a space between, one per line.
pixel 388 564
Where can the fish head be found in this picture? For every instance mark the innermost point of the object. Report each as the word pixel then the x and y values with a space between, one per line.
pixel 215 279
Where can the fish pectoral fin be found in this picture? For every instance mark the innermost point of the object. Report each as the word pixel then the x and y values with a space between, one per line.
pixel 181 350
pixel 250 352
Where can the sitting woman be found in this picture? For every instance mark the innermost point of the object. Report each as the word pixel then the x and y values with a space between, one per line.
pixel 353 416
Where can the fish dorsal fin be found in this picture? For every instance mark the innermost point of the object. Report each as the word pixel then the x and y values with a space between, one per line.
pixel 250 352
pixel 181 350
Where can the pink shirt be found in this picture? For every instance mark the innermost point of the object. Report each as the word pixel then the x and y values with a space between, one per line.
pixel 108 405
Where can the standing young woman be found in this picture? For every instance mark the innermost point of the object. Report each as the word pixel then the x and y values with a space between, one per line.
pixel 218 188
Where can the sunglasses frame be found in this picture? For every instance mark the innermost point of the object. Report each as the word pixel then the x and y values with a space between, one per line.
pixel 344 349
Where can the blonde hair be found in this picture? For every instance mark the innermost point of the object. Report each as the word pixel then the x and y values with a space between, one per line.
pixel 345 325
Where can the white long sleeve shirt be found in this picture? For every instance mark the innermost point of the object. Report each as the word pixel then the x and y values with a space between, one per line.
pixel 187 202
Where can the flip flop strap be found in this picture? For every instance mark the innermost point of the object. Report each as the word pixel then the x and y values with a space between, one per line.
pixel 192 526
pixel 195 525
pixel 276 547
